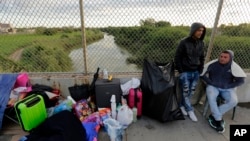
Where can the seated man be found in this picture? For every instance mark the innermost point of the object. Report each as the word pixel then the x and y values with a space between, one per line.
pixel 222 76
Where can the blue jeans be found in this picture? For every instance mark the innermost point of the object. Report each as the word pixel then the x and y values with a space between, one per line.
pixel 229 96
pixel 188 82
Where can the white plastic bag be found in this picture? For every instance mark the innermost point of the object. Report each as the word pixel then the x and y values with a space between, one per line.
pixel 133 83
pixel 125 115
pixel 114 129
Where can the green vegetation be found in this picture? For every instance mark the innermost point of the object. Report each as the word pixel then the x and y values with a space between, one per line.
pixel 45 50
pixel 158 41
pixel 240 45
pixel 10 66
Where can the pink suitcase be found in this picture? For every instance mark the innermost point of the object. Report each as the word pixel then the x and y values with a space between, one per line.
pixel 135 100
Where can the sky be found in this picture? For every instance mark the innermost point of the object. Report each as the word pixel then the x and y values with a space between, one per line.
pixel 103 13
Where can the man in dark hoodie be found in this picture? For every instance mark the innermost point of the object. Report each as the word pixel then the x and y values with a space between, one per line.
pixel 222 76
pixel 189 61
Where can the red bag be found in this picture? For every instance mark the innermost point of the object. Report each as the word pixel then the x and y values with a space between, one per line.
pixel 135 100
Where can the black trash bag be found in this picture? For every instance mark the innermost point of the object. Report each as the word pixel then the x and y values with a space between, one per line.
pixel 159 91
pixel 78 92
pixel 157 77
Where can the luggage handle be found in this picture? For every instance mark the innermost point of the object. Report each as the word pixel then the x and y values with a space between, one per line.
pixel 136 99
pixel 22 101
pixel 33 101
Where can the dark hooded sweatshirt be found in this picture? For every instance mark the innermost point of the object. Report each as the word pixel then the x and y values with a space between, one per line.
pixel 189 56
pixel 219 75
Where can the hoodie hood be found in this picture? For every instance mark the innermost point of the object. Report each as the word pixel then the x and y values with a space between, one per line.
pixel 194 27
pixel 237 71
pixel 231 53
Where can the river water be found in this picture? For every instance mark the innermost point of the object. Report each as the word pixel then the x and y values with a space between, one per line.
pixel 104 54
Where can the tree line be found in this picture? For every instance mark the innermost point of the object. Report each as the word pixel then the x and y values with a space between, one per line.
pixel 158 41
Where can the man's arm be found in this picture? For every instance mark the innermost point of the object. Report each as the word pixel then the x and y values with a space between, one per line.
pixel 205 75
pixel 237 82
pixel 202 59
pixel 178 57
pixel 206 79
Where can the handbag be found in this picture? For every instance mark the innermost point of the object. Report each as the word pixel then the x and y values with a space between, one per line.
pixel 23 80
pixel 78 92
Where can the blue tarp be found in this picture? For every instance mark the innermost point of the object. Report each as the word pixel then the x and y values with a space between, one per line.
pixel 7 82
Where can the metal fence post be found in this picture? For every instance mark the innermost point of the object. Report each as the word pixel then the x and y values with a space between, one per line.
pixel 209 50
pixel 84 46
pixel 211 42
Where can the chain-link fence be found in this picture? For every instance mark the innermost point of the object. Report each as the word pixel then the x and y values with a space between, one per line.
pixel 77 36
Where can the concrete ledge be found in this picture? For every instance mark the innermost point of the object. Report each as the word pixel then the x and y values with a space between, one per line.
pixel 243 91
pixel 66 81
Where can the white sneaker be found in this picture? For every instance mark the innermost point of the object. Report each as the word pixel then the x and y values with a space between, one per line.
pixel 183 111
pixel 192 116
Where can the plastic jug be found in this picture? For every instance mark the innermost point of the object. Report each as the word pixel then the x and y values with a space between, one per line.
pixel 113 107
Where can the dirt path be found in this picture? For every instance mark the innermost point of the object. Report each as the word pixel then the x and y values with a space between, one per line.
pixel 16 55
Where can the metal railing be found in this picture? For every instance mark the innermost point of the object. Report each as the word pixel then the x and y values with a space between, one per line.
pixel 76 36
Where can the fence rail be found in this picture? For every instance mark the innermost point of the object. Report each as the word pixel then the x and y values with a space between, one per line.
pixel 76 36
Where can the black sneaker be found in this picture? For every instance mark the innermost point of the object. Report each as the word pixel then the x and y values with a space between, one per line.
pixel 222 126
pixel 223 123
pixel 219 126
pixel 212 122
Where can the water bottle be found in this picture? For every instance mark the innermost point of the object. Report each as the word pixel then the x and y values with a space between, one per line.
pixel 105 74
pixel 134 114
pixel 113 107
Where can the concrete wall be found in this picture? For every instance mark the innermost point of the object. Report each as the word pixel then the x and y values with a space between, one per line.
pixel 65 81
pixel 243 91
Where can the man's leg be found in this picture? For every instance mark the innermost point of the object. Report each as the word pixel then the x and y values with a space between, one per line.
pixel 230 98
pixel 182 101
pixel 193 78
pixel 185 91
pixel 188 80
pixel 212 94
pixel 215 120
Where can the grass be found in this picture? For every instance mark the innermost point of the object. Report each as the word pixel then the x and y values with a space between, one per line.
pixel 10 43
pixel 52 45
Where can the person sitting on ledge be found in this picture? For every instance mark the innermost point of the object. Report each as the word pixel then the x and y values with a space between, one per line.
pixel 222 76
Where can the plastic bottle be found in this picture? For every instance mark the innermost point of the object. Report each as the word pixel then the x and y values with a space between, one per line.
pixel 113 107
pixel 105 74
pixel 70 98
pixel 134 114
pixel 118 107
